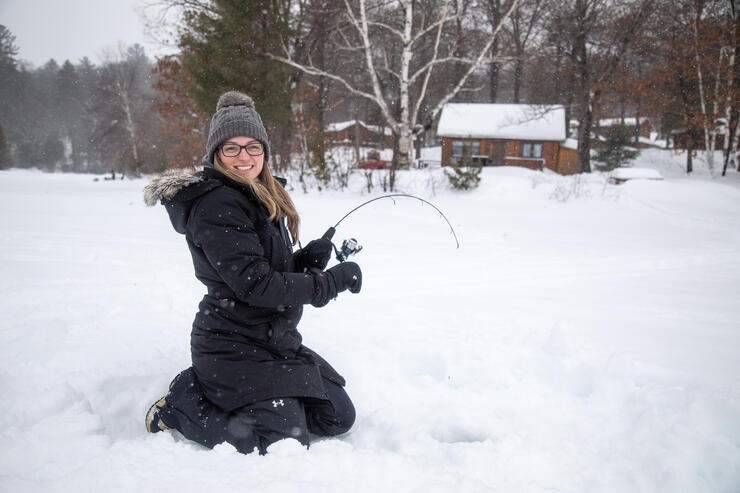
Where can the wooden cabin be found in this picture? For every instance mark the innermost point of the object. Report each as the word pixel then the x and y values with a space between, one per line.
pixel 345 133
pixel 530 136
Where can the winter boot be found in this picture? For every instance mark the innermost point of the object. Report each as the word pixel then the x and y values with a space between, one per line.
pixel 152 421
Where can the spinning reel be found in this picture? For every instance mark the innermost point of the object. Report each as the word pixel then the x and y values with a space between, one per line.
pixel 349 247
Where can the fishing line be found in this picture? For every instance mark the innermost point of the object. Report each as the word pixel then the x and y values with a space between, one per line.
pixel 330 232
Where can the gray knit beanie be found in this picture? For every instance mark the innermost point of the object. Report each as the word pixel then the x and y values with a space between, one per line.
pixel 235 116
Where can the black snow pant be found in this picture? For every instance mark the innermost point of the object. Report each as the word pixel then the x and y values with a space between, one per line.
pixel 256 425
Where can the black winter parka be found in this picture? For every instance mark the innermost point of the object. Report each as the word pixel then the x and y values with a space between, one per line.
pixel 245 345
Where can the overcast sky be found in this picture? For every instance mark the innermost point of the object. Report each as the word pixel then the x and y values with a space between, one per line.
pixel 71 29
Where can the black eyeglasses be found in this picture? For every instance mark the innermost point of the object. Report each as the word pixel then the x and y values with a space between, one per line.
pixel 233 150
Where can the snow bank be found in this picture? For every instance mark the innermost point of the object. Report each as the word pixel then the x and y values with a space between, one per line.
pixel 582 338
pixel 623 174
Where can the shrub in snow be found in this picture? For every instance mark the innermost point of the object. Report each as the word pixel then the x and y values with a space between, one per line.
pixel 614 151
pixel 465 173
pixel 321 168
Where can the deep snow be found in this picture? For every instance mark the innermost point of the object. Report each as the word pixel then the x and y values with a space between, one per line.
pixel 585 337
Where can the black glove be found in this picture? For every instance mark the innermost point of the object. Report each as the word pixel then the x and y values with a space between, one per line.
pixel 347 275
pixel 329 283
pixel 315 255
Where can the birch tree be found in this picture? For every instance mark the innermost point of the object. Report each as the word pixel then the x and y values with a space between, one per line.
pixel 420 50
pixel 694 77
pixel 732 103
pixel 709 69
pixel 121 107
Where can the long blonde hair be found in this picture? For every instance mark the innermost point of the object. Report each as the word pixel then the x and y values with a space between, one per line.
pixel 270 192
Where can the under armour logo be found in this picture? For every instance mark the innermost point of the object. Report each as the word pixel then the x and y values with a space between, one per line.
pixel 278 403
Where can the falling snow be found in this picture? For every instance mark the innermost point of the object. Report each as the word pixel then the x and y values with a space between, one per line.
pixel 584 337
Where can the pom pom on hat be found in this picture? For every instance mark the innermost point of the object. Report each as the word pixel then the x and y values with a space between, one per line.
pixel 234 98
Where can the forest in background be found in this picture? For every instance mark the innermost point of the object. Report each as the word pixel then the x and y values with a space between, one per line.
pixel 394 64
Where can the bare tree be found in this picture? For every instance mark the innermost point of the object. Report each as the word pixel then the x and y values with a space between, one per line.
pixel 709 74
pixel 733 101
pixel 525 20
pixel 495 11
pixel 594 35
pixel 421 45
pixel 121 105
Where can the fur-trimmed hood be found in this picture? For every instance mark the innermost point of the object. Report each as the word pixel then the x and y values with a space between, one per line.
pixel 176 189
pixel 166 185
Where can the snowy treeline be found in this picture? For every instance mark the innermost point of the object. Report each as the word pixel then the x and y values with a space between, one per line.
pixel 79 117
pixel 583 338
pixel 311 62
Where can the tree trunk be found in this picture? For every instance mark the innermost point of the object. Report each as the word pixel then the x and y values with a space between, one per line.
pixel 494 18
pixel 130 127
pixel 707 120
pixel 583 102
pixel 495 70
pixel 357 139
pixel 584 137
pixel 518 71
pixel 320 113
pixel 733 111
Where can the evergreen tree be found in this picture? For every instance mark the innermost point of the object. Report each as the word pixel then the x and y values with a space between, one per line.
pixel 36 134
pixel 615 151
pixel 6 160
pixel 83 155
pixel 466 172
pixel 10 108
pixel 225 47
pixel 52 152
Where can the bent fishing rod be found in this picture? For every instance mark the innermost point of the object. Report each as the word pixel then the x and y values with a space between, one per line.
pixel 351 247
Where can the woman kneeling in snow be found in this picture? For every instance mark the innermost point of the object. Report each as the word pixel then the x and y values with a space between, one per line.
pixel 252 381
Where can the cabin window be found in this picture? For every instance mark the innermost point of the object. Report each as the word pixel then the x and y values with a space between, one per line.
pixel 532 149
pixel 469 147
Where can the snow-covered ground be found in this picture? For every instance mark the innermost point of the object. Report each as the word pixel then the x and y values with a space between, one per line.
pixel 585 337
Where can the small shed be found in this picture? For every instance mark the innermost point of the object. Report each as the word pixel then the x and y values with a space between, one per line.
pixel 506 135
pixel 347 132
pixel 568 157
pixel 621 175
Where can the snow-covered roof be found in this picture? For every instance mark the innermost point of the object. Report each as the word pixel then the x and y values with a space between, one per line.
pixel 502 121
pixel 339 126
pixel 570 144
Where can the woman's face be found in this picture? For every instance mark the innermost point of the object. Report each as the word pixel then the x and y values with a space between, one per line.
pixel 244 163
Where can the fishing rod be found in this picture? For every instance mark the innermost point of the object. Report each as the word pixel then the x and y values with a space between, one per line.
pixel 351 247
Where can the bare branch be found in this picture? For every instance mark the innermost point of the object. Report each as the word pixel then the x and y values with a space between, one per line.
pixel 467 61
pixel 435 25
pixel 473 67
pixel 440 23
pixel 378 93
pixel 310 70
pixel 391 29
